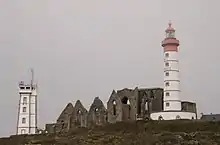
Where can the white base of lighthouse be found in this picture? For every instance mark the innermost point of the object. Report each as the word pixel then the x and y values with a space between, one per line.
pixel 172 115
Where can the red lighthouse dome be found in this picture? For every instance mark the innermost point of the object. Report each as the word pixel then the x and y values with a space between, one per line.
pixel 170 43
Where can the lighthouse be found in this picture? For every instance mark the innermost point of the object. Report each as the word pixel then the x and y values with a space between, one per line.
pixel 27 110
pixel 173 105
pixel 170 45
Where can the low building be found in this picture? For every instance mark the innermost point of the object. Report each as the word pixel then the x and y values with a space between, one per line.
pixel 210 117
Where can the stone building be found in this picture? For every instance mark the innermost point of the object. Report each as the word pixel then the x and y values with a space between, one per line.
pixel 123 105
pixel 129 104
pixel 70 117
pixel 188 106
pixel 210 117
pixel 97 113
pixel 65 120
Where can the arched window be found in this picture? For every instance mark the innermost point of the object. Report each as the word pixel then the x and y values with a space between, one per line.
pixel 146 105
pixel 125 100
pixel 114 107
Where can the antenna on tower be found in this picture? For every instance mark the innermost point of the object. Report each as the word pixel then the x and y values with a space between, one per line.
pixel 32 77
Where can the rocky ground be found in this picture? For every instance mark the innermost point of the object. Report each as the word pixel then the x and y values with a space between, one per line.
pixel 130 133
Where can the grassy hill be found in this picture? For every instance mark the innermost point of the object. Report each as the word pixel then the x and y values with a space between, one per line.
pixel 130 133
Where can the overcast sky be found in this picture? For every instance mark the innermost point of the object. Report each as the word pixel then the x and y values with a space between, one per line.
pixel 83 49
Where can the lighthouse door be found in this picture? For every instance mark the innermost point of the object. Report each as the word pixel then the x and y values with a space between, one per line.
pixel 23 131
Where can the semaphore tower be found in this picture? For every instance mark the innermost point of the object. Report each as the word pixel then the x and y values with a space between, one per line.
pixel 27 110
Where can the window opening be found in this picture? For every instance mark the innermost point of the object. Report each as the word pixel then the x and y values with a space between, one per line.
pixel 146 105
pixel 114 107
pixel 167 84
pixel 125 100
pixel 23 120
pixel 24 109
pixel 25 100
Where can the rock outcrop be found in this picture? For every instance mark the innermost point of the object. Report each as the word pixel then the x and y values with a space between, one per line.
pixel 130 133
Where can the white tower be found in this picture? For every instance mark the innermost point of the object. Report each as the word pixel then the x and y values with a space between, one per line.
pixel 170 44
pixel 27 110
pixel 172 107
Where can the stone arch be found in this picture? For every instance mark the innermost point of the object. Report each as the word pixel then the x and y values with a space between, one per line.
pixel 125 100
pixel 126 108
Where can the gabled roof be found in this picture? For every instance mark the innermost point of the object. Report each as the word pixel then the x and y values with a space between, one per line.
pixel 97 103
pixel 67 110
pixel 78 104
pixel 113 96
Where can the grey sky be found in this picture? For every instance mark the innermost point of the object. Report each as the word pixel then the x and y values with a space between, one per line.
pixel 84 49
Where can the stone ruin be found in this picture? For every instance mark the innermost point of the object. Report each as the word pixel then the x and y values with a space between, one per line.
pixel 123 105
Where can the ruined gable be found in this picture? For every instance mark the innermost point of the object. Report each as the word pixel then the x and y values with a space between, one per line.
pixel 123 105
pixel 97 113
pixel 157 100
pixel 64 121
pixel 129 100
pixel 80 114
pixel 151 100
pixel 67 111
pixel 114 108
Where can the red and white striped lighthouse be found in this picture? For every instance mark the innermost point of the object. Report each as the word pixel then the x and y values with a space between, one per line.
pixel 172 109
pixel 172 101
